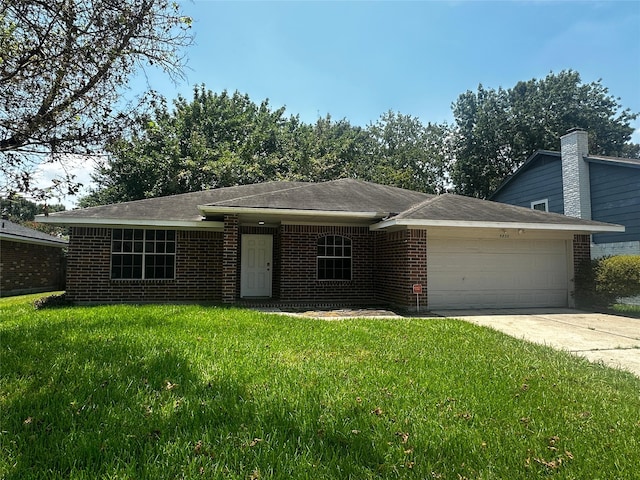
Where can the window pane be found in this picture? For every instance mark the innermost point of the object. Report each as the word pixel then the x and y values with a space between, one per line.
pixel 131 248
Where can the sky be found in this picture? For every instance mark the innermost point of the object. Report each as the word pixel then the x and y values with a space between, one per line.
pixel 357 60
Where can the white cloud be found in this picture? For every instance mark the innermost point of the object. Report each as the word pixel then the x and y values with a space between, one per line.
pixel 80 166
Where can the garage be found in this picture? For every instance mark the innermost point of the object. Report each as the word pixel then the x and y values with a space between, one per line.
pixel 491 273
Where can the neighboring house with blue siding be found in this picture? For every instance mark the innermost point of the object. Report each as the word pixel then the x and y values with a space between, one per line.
pixel 574 183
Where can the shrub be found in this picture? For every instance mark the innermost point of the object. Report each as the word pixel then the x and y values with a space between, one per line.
pixel 585 293
pixel 618 276
pixel 51 301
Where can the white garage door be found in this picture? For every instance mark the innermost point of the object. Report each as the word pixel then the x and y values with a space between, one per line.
pixel 464 273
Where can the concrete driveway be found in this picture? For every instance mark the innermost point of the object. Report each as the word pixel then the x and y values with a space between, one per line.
pixel 611 339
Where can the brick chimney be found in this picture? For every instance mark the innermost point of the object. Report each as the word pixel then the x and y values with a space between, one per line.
pixel 574 147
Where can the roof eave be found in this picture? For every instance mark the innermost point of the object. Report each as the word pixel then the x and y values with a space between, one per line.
pixel 34 241
pixel 118 222
pixel 408 223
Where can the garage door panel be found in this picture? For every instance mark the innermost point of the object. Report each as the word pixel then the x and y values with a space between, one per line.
pixel 466 273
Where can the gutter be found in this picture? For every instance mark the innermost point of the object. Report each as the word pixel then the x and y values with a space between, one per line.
pixel 516 225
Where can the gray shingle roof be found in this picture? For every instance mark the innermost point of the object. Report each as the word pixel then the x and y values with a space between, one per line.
pixel 344 195
pixel 467 209
pixel 307 201
pixel 14 231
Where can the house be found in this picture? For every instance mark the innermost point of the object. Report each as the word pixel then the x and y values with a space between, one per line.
pixel 574 183
pixel 30 261
pixel 343 242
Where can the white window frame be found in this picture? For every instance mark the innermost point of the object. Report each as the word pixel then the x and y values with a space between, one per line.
pixel 346 243
pixel 143 253
pixel 544 202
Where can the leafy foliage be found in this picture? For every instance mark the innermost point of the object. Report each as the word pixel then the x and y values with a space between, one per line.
pixel 219 140
pixel 22 211
pixel 408 154
pixel 62 66
pixel 496 130
pixel 618 276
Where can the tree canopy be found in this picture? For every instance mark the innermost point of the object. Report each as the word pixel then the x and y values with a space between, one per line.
pixel 221 139
pixel 63 65
pixel 218 140
pixel 496 130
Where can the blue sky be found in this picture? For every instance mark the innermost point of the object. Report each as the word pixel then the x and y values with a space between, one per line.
pixel 359 59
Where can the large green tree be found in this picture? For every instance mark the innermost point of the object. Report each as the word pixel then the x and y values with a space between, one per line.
pixel 63 64
pixel 408 154
pixel 218 140
pixel 496 130
pixel 214 140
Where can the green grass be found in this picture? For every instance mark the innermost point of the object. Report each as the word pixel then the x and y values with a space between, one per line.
pixel 166 392
pixel 628 310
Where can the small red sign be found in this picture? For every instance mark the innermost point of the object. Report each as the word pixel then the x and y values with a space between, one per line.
pixel 417 288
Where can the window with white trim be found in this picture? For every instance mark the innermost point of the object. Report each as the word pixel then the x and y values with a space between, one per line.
pixel 334 258
pixel 542 205
pixel 138 254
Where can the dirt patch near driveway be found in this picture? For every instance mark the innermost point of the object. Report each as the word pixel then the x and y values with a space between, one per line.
pixel 611 339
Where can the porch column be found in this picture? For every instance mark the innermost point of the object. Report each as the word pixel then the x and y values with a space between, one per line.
pixel 579 292
pixel 416 264
pixel 230 259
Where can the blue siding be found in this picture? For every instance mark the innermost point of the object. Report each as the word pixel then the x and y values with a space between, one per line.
pixel 615 198
pixel 541 179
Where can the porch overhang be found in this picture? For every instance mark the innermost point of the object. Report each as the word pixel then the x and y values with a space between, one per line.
pixel 288 215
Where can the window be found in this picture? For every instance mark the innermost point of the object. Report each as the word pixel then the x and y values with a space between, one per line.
pixel 142 254
pixel 542 205
pixel 334 258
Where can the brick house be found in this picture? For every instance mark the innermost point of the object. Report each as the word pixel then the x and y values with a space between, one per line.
pixel 30 261
pixel 343 242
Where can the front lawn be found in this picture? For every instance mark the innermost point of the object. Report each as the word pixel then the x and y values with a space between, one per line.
pixel 164 392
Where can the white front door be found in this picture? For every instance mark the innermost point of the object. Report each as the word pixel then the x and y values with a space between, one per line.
pixel 256 265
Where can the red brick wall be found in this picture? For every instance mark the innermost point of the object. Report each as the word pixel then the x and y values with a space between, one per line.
pixel 206 260
pixel 582 295
pixel 581 250
pixel 401 263
pixel 230 270
pixel 298 267
pixel 198 270
pixel 30 268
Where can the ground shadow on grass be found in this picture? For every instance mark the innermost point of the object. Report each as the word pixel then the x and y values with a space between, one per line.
pixel 85 403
